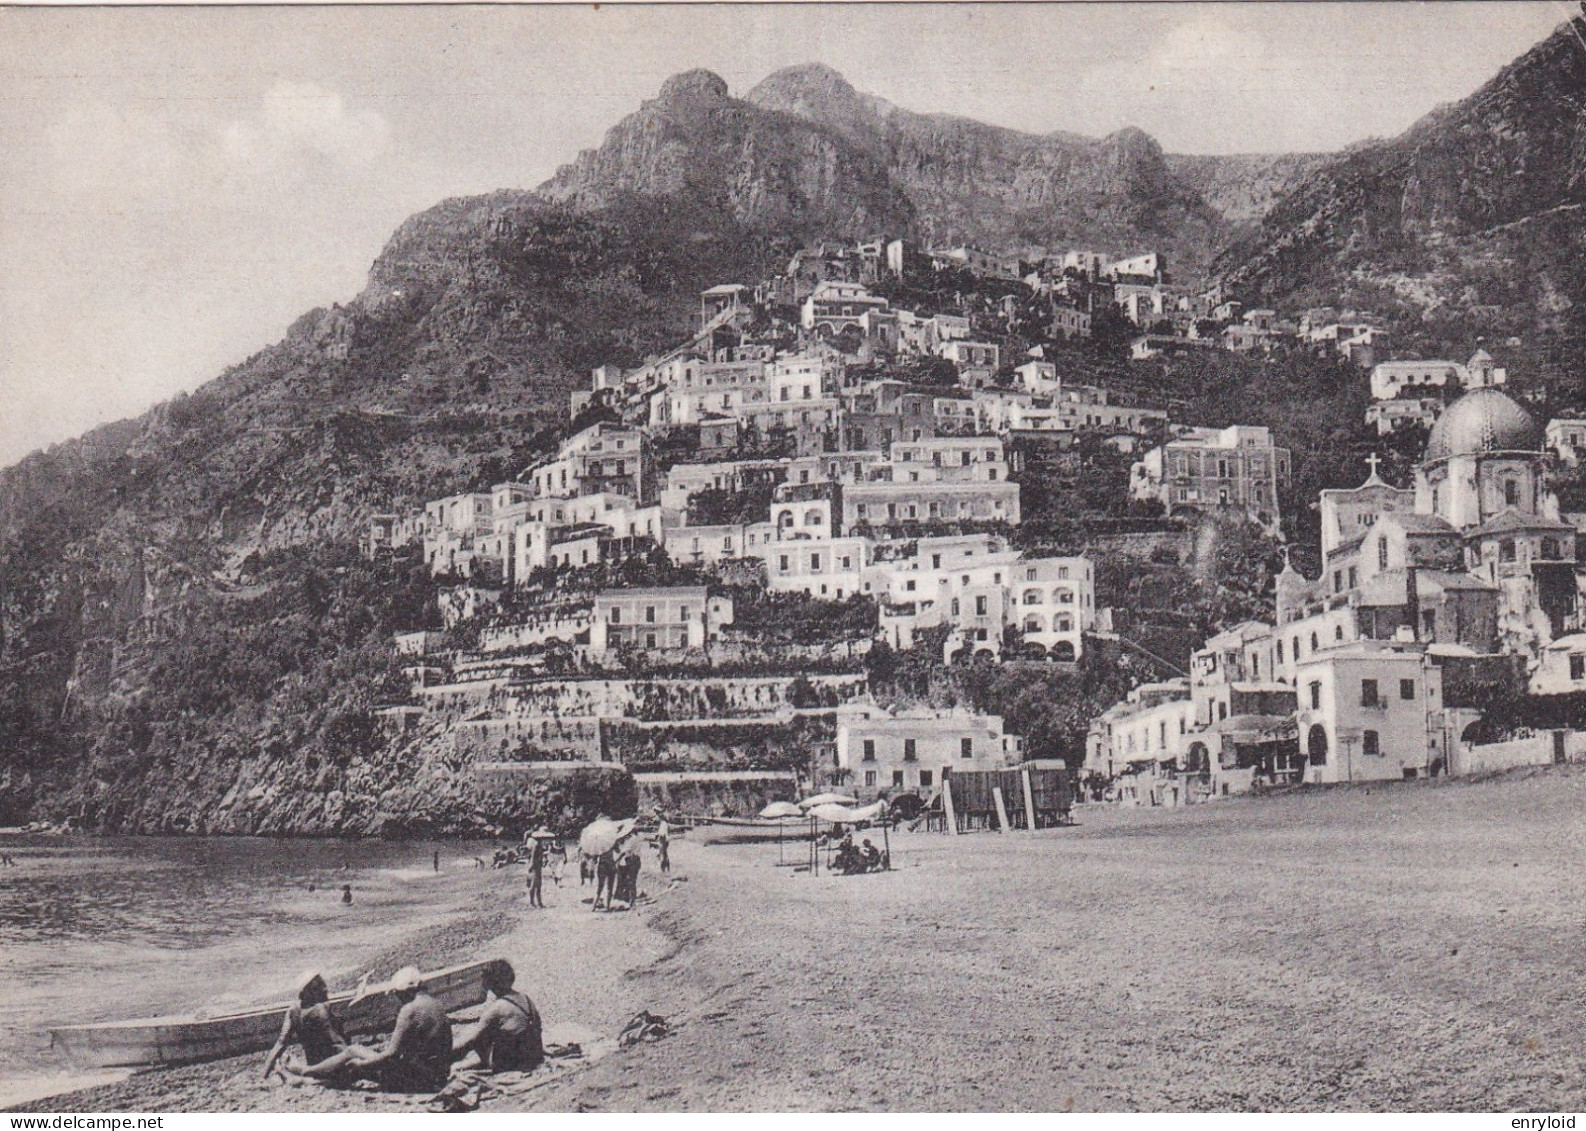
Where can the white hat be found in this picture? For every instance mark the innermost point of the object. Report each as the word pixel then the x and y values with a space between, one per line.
pixel 407 978
pixel 306 978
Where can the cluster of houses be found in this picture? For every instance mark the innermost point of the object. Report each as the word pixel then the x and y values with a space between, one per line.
pixel 1429 597
pixel 811 467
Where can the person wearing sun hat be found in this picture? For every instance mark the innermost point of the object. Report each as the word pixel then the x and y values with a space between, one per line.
pixel 418 1054
pixel 309 1022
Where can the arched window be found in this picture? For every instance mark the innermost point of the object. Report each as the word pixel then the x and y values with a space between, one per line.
pixel 1382 553
pixel 1511 493
pixel 1315 644
pixel 1316 745
pixel 1032 596
pixel 1063 650
pixel 812 518
pixel 1338 632
pixel 1032 624
pixel 1063 624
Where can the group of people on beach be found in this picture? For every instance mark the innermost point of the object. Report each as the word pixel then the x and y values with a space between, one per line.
pixel 616 871
pixel 853 861
pixel 422 1048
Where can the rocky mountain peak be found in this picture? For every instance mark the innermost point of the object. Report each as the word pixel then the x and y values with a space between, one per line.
pixel 818 93
pixel 697 87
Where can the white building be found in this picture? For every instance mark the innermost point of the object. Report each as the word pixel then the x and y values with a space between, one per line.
pixel 913 751
pixel 1390 378
pixel 651 620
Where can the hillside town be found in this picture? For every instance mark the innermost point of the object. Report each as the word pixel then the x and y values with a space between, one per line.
pixel 731 528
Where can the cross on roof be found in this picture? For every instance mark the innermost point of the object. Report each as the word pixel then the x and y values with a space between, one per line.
pixel 1372 462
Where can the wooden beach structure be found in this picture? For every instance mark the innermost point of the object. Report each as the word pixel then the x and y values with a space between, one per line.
pixel 1032 795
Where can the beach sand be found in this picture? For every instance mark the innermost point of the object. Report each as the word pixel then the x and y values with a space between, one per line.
pixel 1412 946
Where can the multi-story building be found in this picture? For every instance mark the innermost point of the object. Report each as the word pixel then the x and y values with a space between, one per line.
pixel 821 567
pixel 1391 416
pixel 914 751
pixel 604 457
pixel 1391 378
pixel 1229 468
pixel 1566 438
pixel 651 620
pixel 1152 725
pixel 705 545
pixel 1369 712
pixel 834 305
pixel 802 377
pixel 976 361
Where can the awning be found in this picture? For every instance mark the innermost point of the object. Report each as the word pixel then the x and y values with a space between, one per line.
pixel 1253 730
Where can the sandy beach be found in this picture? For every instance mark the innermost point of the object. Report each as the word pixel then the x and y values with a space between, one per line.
pixel 1402 947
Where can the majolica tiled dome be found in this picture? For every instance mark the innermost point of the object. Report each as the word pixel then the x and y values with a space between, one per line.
pixel 1483 420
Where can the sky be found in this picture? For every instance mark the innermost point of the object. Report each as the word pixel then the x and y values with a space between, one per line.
pixel 177 185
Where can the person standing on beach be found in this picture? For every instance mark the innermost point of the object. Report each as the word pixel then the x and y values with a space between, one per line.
pixel 605 878
pixel 346 893
pixel 508 1035
pixel 628 866
pixel 437 860
pixel 663 845
pixel 536 872
pixel 309 1023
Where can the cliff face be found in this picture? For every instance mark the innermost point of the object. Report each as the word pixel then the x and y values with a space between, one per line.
pixel 1006 189
pixel 765 169
pixel 1464 213
pixel 1242 188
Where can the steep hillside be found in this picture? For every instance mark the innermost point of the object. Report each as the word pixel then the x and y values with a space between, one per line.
pixel 183 607
pixel 1242 188
pixel 1473 214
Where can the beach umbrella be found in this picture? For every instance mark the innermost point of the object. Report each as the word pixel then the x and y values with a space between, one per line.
pixel 780 809
pixel 602 836
pixel 543 834
pixel 827 799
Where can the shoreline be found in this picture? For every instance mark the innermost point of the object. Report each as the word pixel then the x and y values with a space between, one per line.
pixel 570 961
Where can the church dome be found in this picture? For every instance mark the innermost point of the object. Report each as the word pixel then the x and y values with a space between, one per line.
pixel 1483 420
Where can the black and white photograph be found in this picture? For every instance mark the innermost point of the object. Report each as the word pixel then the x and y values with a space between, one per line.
pixel 814 557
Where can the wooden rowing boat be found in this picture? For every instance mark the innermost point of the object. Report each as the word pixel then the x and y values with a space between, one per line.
pixel 191 1038
pixel 740 830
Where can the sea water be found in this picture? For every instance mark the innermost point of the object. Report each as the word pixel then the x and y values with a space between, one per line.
pixel 98 929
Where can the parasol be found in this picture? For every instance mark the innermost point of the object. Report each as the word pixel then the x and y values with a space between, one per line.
pixel 781 809
pixel 602 836
pixel 827 799
pixel 843 815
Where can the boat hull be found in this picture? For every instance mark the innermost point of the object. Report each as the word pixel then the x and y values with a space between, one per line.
pixel 192 1039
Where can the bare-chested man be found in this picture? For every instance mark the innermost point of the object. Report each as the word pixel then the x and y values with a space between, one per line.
pixel 417 1057
pixel 508 1035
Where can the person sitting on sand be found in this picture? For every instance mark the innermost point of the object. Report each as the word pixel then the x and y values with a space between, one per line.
pixel 508 1035
pixel 310 1024
pixel 871 855
pixel 418 1055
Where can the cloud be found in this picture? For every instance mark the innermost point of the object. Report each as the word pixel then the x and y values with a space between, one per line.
pixel 294 117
